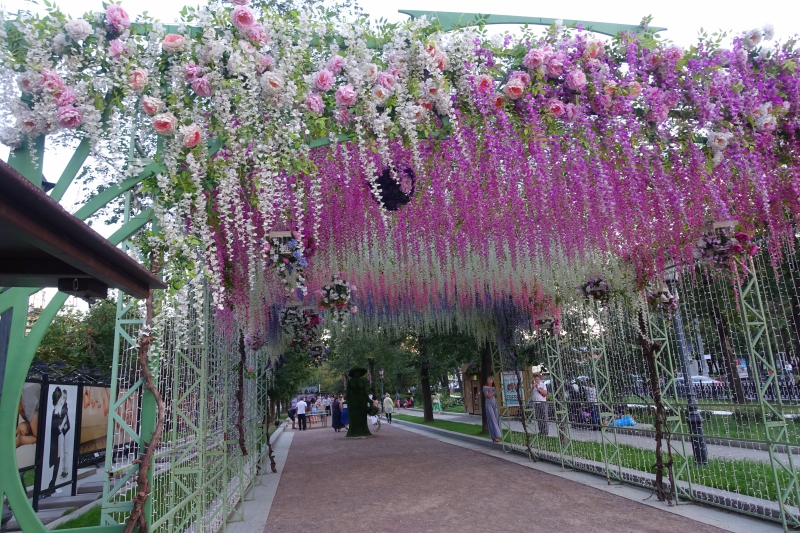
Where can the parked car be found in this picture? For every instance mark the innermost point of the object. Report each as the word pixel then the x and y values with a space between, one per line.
pixel 703 380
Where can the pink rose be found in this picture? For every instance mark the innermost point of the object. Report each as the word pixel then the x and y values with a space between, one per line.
pixel 323 80
pixel 117 19
pixel 524 77
pixel 345 96
pixel 354 309
pixel 555 66
pixel 242 17
pixel 556 107
pixel 497 101
pixel 173 43
pixel 191 71
pixel 674 53
pixel 250 368
pixel 536 58
pixel 315 104
pixel 202 86
pixel 634 89
pixel 742 237
pixel 138 79
pixel 51 82
pixel 571 112
pixel 241 2
pixel 335 64
pixel 609 87
pixel 69 117
pixel 514 88
pixel 737 248
pixel 753 250
pixel 265 63
pixel 257 34
pixel 593 50
pixel 117 49
pixel 152 105
pixel 190 135
pixel 440 62
pixel 380 93
pixel 385 80
pixel 66 97
pixel 165 123
pixel 576 80
pixel 484 83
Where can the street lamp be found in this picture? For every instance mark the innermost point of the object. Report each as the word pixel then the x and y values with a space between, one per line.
pixel 693 418
pixel 381 374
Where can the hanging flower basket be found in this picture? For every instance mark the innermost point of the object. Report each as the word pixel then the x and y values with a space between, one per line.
pixel 662 301
pixel 720 246
pixel 285 253
pixel 396 191
pixel 549 324
pixel 301 325
pixel 255 341
pixel 596 288
pixel 318 352
pixel 336 297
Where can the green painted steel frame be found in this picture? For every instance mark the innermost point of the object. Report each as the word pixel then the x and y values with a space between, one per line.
pixel 560 405
pixel 772 413
pixel 659 334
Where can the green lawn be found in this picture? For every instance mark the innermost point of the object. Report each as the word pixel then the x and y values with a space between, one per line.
pixel 87 519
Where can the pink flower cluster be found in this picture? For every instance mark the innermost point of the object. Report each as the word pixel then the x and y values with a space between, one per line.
pixel 67 114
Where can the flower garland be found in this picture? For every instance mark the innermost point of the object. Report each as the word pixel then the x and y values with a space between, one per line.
pixel 301 326
pixel 719 248
pixel 336 297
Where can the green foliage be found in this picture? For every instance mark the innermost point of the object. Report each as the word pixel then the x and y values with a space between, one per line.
pixel 295 373
pixel 88 519
pixel 81 339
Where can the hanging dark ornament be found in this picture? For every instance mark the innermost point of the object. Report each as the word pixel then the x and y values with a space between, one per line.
pixel 396 193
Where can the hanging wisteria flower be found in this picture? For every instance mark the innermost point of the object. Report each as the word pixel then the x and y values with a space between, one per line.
pixel 117 49
pixel 152 105
pixel 78 29
pixel 138 79
pixel 576 80
pixel 117 19
pixel 173 43
pixel 335 64
pixel 191 135
pixel 242 17
pixel 323 80
pixel 202 86
pixel 272 83
pixel 315 104
pixel 69 117
pixel 345 96
pixel 165 123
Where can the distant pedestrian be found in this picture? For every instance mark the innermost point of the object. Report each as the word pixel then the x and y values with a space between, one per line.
pixel 397 399
pixel 293 415
pixel 540 404
pixel 345 415
pixel 437 402
pixel 388 407
pixel 594 411
pixel 336 415
pixel 327 404
pixel 492 413
pixel 301 414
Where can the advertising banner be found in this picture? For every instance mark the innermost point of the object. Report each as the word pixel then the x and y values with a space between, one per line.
pixel 59 436
pixel 510 389
pixel 94 419
pixel 28 425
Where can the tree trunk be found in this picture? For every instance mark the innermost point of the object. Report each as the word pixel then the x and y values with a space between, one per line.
pixel 728 357
pixel 375 378
pixel 460 382
pixel 425 385
pixel 486 371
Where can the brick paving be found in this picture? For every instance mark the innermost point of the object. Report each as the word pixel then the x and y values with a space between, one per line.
pixel 398 481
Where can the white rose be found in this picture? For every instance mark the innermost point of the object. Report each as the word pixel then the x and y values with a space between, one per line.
pixel 769 32
pixel 752 38
pixel 11 138
pixel 272 83
pixel 59 43
pixel 78 29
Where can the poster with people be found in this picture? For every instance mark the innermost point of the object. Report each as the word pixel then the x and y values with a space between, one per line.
pixel 27 425
pixel 59 435
pixel 94 419
pixel 510 389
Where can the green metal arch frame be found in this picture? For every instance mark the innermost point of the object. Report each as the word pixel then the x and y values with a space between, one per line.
pixel 23 347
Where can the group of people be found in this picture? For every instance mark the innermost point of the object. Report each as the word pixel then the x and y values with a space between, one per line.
pixel 308 409
pixel 538 399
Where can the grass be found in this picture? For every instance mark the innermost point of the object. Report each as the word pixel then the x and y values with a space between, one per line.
pixel 741 476
pixel 28 476
pixel 88 519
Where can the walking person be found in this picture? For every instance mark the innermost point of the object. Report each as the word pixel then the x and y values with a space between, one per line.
pixel 326 402
pixel 437 402
pixel 492 413
pixel 594 411
pixel 345 416
pixel 293 415
pixel 336 415
pixel 301 414
pixel 388 407
pixel 397 399
pixel 540 404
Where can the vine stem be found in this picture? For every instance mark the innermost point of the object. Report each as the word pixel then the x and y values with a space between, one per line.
pixel 143 489
pixel 240 395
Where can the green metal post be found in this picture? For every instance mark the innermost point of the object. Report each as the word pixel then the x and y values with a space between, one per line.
pixel 560 405
pixel 772 413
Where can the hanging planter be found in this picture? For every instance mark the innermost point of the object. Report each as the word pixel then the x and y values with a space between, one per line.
pixel 318 352
pixel 336 297
pixel 596 288
pixel 663 301
pixel 284 251
pixel 548 323
pixel 301 325
pixel 720 245
pixel 396 191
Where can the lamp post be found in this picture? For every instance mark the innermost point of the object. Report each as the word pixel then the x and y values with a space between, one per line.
pixel 693 418
pixel 380 372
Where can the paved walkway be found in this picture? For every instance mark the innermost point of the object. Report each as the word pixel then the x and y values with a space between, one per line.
pixel 399 481
pixel 587 435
